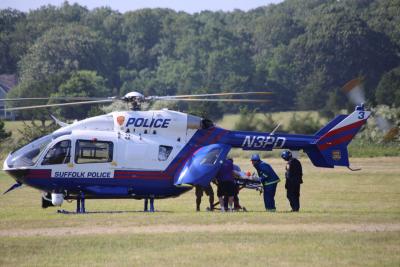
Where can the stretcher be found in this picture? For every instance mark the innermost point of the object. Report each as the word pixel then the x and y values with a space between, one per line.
pixel 243 180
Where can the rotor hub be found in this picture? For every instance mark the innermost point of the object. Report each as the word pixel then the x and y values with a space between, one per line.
pixel 135 99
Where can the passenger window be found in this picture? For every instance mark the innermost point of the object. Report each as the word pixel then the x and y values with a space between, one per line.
pixel 163 152
pixel 93 151
pixel 60 153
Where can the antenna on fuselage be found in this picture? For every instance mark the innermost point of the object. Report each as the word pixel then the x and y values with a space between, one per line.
pixel 274 130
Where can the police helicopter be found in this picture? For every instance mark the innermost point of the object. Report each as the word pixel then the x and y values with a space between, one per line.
pixel 156 153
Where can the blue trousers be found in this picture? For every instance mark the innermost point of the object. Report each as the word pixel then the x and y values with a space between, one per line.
pixel 269 196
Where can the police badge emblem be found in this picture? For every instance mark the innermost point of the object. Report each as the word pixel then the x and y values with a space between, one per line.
pixel 336 155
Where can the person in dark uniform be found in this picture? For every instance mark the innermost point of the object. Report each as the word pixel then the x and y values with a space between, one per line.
pixel 199 193
pixel 146 204
pixel 294 178
pixel 236 203
pixel 226 184
pixel 269 179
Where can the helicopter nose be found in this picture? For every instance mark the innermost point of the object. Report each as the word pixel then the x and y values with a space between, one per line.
pixel 18 174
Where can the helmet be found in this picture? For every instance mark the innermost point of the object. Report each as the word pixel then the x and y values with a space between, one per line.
pixel 286 155
pixel 255 157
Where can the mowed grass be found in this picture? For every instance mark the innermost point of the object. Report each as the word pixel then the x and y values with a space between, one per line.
pixel 201 249
pixel 347 219
pixel 16 126
pixel 229 120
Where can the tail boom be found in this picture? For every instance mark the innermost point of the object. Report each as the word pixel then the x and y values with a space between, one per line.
pixel 327 148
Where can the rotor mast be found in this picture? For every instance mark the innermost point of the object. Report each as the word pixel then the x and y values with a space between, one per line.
pixel 134 99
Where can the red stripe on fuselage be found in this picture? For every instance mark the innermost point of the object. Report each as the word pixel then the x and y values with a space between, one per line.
pixel 190 151
pixel 161 175
pixel 41 174
pixel 336 142
pixel 342 129
pixel 141 175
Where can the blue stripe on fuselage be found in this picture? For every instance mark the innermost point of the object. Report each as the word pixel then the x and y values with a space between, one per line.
pixel 157 183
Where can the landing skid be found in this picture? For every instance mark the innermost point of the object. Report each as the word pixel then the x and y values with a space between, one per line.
pixel 241 209
pixel 80 206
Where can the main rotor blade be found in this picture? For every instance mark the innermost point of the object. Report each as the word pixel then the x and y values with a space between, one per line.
pixel 77 98
pixel 62 104
pixel 216 94
pixel 217 100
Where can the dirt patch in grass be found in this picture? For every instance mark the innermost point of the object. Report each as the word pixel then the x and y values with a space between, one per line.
pixel 213 228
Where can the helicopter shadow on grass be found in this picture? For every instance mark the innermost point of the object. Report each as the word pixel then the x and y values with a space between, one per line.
pixel 66 212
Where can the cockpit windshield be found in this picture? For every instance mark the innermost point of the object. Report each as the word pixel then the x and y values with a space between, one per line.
pixel 29 154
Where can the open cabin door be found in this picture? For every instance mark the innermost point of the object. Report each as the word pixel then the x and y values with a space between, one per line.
pixel 202 166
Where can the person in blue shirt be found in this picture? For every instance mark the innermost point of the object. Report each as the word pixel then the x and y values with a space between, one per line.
pixel 269 179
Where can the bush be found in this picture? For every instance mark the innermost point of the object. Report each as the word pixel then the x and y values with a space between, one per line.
pixel 382 127
pixel 303 124
pixel 3 133
pixel 33 130
pixel 248 121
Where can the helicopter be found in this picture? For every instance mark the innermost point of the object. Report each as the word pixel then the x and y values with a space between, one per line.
pixel 155 154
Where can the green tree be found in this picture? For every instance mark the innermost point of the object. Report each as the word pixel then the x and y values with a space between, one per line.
pixel 383 16
pixel 3 133
pixel 250 121
pixel 82 83
pixel 62 50
pixel 9 55
pixel 53 58
pixel 108 25
pixel 332 51
pixel 33 130
pixel 303 124
pixel 143 29
pixel 388 89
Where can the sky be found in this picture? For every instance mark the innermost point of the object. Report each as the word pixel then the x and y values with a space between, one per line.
pixel 190 6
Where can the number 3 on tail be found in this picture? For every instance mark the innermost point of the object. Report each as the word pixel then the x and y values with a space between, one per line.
pixel 361 115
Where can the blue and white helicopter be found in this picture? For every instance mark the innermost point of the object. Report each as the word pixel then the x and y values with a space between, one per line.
pixel 156 153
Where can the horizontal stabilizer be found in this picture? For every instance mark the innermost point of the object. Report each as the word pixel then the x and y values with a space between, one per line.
pixel 330 148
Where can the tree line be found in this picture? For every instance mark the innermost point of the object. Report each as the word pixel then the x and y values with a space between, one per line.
pixel 302 50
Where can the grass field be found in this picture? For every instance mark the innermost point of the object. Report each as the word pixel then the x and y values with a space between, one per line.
pixel 347 219
pixel 229 120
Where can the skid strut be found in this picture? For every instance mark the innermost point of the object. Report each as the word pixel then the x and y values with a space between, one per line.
pixel 146 202
pixel 80 203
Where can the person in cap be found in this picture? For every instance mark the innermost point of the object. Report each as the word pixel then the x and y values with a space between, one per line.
pixel 269 180
pixel 294 178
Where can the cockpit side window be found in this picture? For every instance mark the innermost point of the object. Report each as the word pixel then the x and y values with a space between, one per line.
pixel 211 157
pixel 60 153
pixel 93 151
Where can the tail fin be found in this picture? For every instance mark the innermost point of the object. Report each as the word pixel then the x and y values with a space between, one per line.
pixel 330 149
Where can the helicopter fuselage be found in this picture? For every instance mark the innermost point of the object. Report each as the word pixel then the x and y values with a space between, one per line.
pixel 132 154
pixel 157 154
